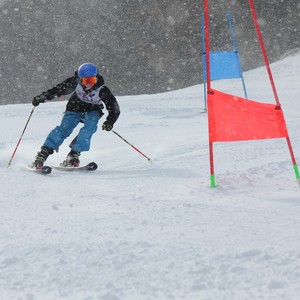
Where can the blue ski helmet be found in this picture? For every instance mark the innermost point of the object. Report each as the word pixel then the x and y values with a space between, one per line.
pixel 87 70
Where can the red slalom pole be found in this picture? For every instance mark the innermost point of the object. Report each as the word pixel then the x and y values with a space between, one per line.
pixel 207 45
pixel 209 90
pixel 136 149
pixel 263 50
pixel 9 163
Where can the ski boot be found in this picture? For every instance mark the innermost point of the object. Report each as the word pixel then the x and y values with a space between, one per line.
pixel 41 157
pixel 72 160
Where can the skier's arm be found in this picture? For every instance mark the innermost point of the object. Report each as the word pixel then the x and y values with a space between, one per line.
pixel 111 105
pixel 64 88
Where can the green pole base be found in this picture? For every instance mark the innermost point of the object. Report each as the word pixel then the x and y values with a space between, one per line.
pixel 297 173
pixel 212 181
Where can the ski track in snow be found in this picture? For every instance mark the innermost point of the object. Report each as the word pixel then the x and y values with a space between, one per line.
pixel 140 230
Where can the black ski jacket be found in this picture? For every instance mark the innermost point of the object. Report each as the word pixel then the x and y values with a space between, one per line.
pixel 75 104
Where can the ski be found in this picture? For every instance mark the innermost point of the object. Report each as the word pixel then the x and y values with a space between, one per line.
pixel 92 166
pixel 44 170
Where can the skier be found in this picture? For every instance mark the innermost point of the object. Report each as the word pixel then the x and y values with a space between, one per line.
pixel 85 105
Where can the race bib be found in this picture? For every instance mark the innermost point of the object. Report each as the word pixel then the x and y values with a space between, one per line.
pixel 89 97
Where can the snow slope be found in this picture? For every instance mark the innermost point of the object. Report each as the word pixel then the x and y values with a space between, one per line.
pixel 140 230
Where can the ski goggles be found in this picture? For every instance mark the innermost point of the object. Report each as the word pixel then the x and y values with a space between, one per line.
pixel 88 80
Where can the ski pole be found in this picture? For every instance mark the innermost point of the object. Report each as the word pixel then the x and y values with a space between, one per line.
pixel 136 149
pixel 9 164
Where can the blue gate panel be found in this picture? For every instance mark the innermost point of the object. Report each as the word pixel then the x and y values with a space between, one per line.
pixel 223 65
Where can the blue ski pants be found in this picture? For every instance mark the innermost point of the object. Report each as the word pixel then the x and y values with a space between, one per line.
pixel 69 121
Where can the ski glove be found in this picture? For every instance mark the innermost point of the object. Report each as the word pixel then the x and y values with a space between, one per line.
pixel 106 126
pixel 38 99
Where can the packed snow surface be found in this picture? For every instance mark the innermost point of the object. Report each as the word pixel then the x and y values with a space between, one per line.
pixel 135 229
